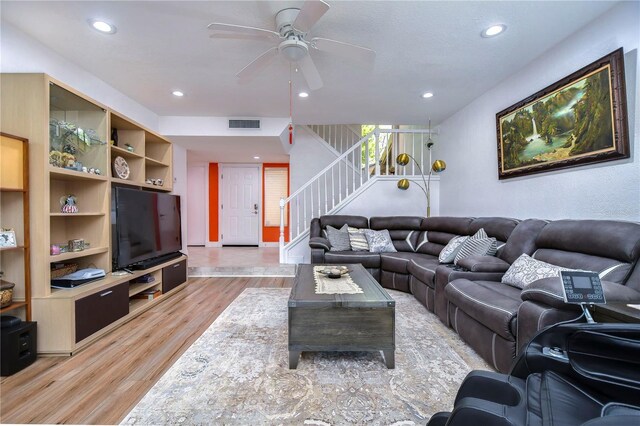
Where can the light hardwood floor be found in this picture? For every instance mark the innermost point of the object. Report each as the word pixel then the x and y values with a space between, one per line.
pixel 101 384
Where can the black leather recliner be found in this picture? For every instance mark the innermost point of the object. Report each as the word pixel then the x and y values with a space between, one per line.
pixel 570 374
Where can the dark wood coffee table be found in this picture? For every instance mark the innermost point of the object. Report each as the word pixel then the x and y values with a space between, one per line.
pixel 341 322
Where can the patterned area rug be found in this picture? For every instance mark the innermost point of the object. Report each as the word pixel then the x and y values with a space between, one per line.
pixel 237 373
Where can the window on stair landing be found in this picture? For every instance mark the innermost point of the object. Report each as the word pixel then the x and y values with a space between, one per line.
pixel 385 149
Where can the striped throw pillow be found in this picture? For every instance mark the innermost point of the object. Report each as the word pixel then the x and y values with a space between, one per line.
pixel 339 238
pixel 477 245
pixel 358 240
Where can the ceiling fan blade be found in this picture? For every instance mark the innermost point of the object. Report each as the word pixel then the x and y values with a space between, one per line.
pixel 311 12
pixel 342 48
pixel 258 64
pixel 310 73
pixel 241 30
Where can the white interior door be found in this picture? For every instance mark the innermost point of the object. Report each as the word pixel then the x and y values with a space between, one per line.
pixel 197 206
pixel 240 207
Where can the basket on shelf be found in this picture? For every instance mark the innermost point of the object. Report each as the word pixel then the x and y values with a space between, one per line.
pixel 6 293
pixel 63 269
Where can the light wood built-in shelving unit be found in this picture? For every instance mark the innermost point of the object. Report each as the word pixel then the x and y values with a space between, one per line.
pixel 65 128
pixel 14 214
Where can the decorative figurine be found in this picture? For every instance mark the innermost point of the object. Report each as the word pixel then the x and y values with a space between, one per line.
pixel 129 147
pixel 68 203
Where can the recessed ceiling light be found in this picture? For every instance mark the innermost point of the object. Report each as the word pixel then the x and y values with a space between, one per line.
pixel 177 93
pixel 427 95
pixel 102 26
pixel 494 30
pixel 303 94
pixel 256 157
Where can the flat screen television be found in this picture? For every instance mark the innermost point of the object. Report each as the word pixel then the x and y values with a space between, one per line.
pixel 145 225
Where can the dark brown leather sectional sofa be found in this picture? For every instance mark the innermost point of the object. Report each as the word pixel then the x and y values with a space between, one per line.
pixel 497 320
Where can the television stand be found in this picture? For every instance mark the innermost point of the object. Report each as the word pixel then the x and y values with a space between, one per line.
pixel 150 263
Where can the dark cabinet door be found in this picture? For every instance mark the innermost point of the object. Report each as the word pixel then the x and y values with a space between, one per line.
pixel 174 275
pixel 101 309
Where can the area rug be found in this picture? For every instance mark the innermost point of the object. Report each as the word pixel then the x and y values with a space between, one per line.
pixel 237 373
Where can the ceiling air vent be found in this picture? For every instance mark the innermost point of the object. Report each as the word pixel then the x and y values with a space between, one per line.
pixel 244 124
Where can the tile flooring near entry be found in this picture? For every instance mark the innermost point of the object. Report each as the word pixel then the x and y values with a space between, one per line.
pixel 237 262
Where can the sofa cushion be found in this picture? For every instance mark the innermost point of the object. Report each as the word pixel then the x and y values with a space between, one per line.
pixel 358 240
pixel 522 239
pixel 399 262
pixel 379 241
pixel 449 252
pixel 339 238
pixel 608 247
pixel 499 228
pixel 424 269
pixel 338 221
pixel 490 303
pixel 477 245
pixel 367 259
pixel 404 230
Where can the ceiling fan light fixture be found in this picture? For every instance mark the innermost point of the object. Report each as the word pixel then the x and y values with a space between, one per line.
pixel 294 49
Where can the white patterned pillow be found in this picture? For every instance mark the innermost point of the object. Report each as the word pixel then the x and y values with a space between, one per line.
pixel 358 240
pixel 379 241
pixel 448 253
pixel 526 270
pixel 479 244
pixel 339 238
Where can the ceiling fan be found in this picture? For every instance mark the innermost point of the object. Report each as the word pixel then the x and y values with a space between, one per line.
pixel 292 28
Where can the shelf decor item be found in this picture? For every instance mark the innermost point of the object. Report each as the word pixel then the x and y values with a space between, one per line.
pixel 7 238
pixel 581 119
pixel 121 168
pixel 68 203
pixel 6 293
pixel 76 244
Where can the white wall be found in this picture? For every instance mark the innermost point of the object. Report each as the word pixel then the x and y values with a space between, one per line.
pixel 308 156
pixel 23 54
pixel 180 187
pixel 467 142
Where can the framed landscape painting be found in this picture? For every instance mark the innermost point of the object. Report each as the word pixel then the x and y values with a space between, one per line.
pixel 578 120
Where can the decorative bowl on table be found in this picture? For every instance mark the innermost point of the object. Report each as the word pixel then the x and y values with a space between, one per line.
pixel 334 272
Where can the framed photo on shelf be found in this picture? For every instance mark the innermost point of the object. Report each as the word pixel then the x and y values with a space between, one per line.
pixel 581 119
pixel 8 239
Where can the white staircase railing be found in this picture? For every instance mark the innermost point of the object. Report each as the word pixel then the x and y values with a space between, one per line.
pixel 371 156
pixel 340 136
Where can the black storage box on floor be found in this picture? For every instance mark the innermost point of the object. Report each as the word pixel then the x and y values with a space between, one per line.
pixel 18 347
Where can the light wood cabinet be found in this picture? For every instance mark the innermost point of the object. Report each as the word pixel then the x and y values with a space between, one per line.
pixel 14 214
pixel 71 154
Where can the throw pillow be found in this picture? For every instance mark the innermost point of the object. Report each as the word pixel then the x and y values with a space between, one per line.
pixel 448 253
pixel 479 244
pixel 526 270
pixel 339 238
pixel 379 241
pixel 358 240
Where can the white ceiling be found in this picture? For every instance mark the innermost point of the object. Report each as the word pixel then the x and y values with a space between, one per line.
pixel 421 45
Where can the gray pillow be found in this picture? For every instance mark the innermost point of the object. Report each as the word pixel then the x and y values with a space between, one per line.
pixel 448 253
pixel 477 245
pixel 339 238
pixel 358 240
pixel 526 270
pixel 379 241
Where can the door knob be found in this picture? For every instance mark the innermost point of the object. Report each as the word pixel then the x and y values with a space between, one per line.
pixel 255 208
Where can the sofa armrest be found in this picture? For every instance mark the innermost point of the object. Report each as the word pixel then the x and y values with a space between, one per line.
pixel 319 243
pixel 484 264
pixel 549 292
